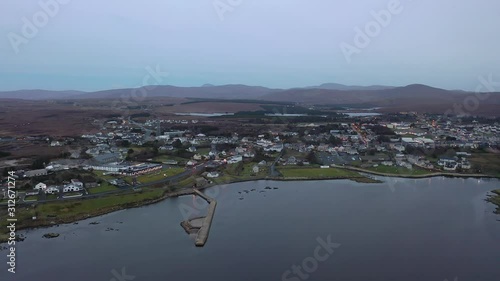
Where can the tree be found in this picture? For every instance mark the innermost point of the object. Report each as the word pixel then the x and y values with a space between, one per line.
pixel 40 162
pixel 177 144
pixel 311 157
pixel 335 141
pixel 125 143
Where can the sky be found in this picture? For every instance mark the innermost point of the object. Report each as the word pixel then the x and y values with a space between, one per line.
pixel 93 45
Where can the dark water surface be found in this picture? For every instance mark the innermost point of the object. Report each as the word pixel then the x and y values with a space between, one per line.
pixel 417 230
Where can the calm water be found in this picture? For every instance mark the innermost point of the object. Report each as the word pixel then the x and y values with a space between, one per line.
pixel 429 229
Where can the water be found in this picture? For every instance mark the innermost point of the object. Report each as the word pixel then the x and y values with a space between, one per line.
pixel 205 114
pixel 403 229
pixel 361 114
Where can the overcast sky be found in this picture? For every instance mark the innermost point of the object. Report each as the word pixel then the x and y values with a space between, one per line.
pixel 96 44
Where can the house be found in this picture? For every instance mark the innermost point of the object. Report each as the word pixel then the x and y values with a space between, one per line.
pixel 213 175
pixel 274 148
pixel 55 143
pixel 167 147
pixel 191 163
pixel 77 183
pixel 191 149
pixel 41 186
pixel 52 190
pixel 248 154
pixel 71 188
pixel 235 159
pixel 91 184
pixel 171 162
pixel 197 157
pixel 292 160
pixel 255 169
pixel 446 161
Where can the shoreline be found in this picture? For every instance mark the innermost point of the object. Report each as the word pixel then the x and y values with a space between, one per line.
pixel 422 176
pixel 495 199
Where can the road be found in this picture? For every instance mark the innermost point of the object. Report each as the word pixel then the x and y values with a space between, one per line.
pixel 168 180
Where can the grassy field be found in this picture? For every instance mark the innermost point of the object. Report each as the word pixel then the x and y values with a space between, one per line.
pixel 73 208
pixel 203 151
pixel 104 187
pixel 104 177
pixel 399 170
pixel 489 163
pixel 31 198
pixel 163 158
pixel 156 176
pixel 312 173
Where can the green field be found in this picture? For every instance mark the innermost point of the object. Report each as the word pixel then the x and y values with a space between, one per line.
pixel 399 170
pixel 203 151
pixel 488 163
pixel 164 158
pixel 51 197
pixel 74 208
pixel 159 175
pixel 101 175
pixel 31 198
pixel 104 187
pixel 312 173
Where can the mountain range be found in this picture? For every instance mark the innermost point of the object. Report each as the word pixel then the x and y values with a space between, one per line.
pixel 404 98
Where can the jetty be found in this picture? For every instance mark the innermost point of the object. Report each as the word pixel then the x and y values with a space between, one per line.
pixel 202 235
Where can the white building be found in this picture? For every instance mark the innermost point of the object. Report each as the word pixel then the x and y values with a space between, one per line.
pixel 71 188
pixel 213 175
pixel 41 186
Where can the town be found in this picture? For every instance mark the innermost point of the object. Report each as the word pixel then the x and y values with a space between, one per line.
pixel 140 158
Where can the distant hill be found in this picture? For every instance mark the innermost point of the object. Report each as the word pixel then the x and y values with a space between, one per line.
pixel 341 87
pixel 38 94
pixel 414 97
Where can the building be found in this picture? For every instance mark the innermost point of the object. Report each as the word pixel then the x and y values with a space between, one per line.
pixel 255 169
pixel 235 159
pixel 213 175
pixel 52 190
pixel 41 186
pixel 140 169
pixel 35 173
pixel 71 188
pixel 77 183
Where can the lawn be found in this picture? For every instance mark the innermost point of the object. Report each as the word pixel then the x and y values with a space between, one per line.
pixel 156 176
pixel 163 158
pixel 312 173
pixel 104 187
pixel 489 163
pixel 31 198
pixel 80 207
pixel 51 196
pixel 101 175
pixel 248 170
pixel 395 170
pixel 203 151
